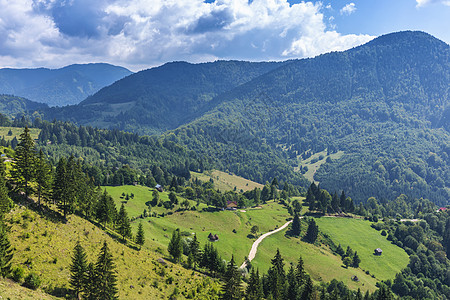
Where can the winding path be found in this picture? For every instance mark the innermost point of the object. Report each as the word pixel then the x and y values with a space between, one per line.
pixel 255 245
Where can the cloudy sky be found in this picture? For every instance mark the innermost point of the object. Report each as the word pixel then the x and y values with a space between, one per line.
pixel 139 34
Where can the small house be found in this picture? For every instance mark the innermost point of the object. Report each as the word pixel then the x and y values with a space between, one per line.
pixel 231 205
pixel 213 238
pixel 378 251
pixel 159 188
pixel 442 209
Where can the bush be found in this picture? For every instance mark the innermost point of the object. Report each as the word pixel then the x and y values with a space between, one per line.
pixel 32 281
pixel 17 274
pixel 383 233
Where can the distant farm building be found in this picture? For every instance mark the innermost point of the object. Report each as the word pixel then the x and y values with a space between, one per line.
pixel 231 205
pixel 378 251
pixel 159 188
pixel 442 209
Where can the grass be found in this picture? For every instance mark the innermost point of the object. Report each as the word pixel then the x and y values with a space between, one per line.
pixel 358 234
pixel 45 247
pixel 16 131
pixel 320 158
pixel 320 262
pixel 227 181
pixel 12 290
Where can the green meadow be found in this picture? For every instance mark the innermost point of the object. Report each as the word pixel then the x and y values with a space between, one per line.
pixel 358 234
pixel 16 131
pixel 226 182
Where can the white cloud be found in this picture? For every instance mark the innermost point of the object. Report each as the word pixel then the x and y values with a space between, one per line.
pixel 348 9
pixel 421 3
pixel 135 34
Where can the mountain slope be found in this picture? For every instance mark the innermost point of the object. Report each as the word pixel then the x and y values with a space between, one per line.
pixel 382 103
pixel 12 105
pixel 68 85
pixel 161 98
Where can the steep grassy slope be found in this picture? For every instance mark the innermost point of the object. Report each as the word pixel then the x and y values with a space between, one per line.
pixel 12 290
pixel 227 181
pixel 362 238
pixel 46 247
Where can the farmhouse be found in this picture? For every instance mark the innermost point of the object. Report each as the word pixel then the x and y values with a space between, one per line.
pixel 231 205
pixel 159 188
pixel 213 238
pixel 378 251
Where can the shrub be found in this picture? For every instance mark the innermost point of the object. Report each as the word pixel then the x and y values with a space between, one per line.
pixel 383 233
pixel 32 281
pixel 17 274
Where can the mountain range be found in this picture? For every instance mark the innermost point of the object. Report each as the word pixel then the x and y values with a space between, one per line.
pixel 384 106
pixel 59 87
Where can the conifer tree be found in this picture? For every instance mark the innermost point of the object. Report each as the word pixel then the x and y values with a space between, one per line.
pixel 106 209
pixel 300 273
pixel 356 260
pixel 292 289
pixel 277 276
pixel 296 225
pixel 5 201
pixel 78 270
pixel 446 238
pixel 194 250
pixel 254 289
pixel 23 166
pixel 140 238
pixel 232 289
pixel 312 232
pixel 123 223
pixel 105 275
pixel 43 177
pixel 175 247
pixel 6 252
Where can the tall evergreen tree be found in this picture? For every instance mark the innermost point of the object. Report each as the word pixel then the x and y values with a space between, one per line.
pixel 6 252
pixel 43 178
pixel 300 273
pixel 67 183
pixel 105 275
pixel 78 270
pixel 106 209
pixel 277 277
pixel 5 201
pixel 24 164
pixel 292 289
pixel 175 247
pixel 140 238
pixel 232 290
pixel 254 290
pixel 296 225
pixel 194 250
pixel 356 260
pixel 312 232
pixel 446 238
pixel 123 223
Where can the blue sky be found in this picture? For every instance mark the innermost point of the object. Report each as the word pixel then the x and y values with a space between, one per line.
pixel 139 34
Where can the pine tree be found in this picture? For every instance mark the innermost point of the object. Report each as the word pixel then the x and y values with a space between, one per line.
pixel 43 177
pixel 105 275
pixel 194 250
pixel 254 289
pixel 106 209
pixel 277 276
pixel 123 223
pixel 140 238
pixel 446 238
pixel 312 232
pixel 296 225
pixel 6 252
pixel 356 260
pixel 292 289
pixel 67 183
pixel 5 201
pixel 232 289
pixel 78 270
pixel 23 166
pixel 300 273
pixel 175 247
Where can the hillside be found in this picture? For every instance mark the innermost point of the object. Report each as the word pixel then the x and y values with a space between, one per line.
pixel 382 104
pixel 161 98
pixel 13 105
pixel 45 247
pixel 64 86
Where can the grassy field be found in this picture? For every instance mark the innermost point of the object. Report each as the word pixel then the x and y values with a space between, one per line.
pixel 320 263
pixel 361 237
pixel 233 228
pixel 320 158
pixel 226 182
pixel 46 247
pixel 12 290
pixel 16 131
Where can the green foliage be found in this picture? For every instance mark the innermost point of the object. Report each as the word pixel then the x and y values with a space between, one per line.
pixel 296 225
pixel 32 281
pixel 6 252
pixel 78 270
pixel 140 237
pixel 105 278
pixel 232 289
pixel 23 168
pixel 175 247
pixel 312 232
pixel 123 223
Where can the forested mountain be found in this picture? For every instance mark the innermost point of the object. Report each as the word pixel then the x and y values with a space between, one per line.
pixel 161 98
pixel 385 104
pixel 68 85
pixel 13 105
